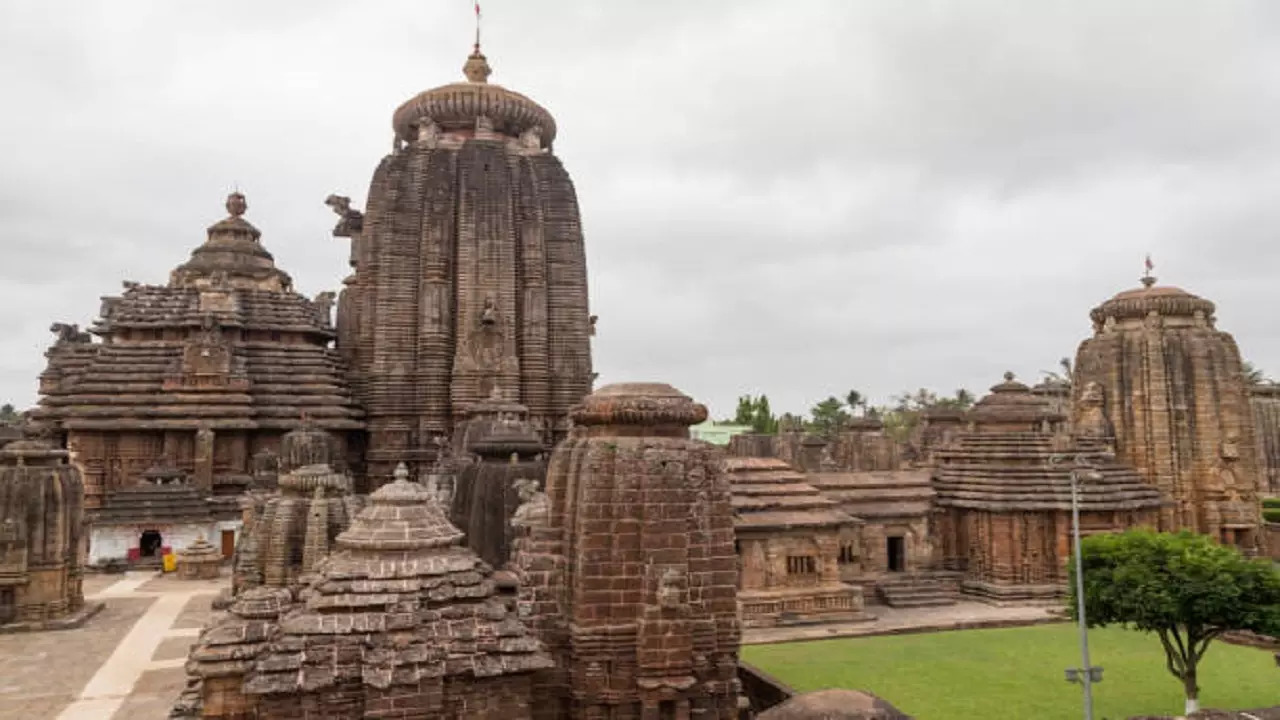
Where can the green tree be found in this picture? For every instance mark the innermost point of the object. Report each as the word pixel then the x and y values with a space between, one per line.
pixel 828 417
pixel 8 414
pixel 1184 588
pixel 754 411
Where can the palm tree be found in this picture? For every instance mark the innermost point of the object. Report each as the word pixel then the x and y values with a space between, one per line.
pixel 855 400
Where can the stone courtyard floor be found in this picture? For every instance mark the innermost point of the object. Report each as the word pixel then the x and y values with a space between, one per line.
pixel 127 662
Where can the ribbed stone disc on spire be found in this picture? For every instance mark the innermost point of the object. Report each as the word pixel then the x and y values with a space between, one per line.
pixel 400 516
pixel 639 404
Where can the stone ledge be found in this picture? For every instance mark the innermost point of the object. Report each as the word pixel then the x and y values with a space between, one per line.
pixel 872 631
pixel 69 622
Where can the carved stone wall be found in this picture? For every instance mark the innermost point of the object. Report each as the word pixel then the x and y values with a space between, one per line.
pixel 41 526
pixel 1265 400
pixel 791 542
pixel 470 275
pixel 200 374
pixel 1174 391
pixel 628 569
pixel 1003 487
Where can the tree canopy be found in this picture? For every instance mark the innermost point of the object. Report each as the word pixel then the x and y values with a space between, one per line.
pixel 8 414
pixel 755 411
pixel 1185 588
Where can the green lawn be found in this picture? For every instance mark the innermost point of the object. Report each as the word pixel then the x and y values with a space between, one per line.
pixel 1017 673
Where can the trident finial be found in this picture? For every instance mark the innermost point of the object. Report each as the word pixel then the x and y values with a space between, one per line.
pixel 1148 279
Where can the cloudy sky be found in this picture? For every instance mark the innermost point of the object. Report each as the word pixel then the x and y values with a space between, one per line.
pixel 795 198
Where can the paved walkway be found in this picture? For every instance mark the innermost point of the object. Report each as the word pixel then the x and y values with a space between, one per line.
pixel 125 664
pixel 963 615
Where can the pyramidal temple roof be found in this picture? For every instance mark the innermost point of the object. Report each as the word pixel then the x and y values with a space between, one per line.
pixel 226 343
pixel 399 601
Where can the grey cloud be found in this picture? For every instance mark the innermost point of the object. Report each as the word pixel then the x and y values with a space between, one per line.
pixel 792 198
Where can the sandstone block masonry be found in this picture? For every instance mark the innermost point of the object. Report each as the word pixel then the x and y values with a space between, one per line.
pixel 629 568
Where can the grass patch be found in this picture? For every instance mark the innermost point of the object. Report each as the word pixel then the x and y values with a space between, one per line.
pixel 1014 673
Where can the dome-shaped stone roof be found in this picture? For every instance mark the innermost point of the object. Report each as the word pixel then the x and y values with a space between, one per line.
pixel 1012 401
pixel 1165 300
pixel 834 704
pixel 457 107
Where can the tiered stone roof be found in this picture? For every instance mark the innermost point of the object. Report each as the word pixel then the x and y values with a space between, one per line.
pixel 398 602
pixel 226 344
pixel 868 495
pixel 147 502
pixel 1010 462
pixel 769 494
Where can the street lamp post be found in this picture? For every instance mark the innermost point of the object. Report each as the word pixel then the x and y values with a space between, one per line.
pixel 1086 674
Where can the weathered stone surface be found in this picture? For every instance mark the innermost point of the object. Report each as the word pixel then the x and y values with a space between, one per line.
pixel 285 535
pixel 199 561
pixel 1265 400
pixel 470 274
pixel 502 453
pixel 891 504
pixel 789 540
pixel 628 564
pixel 1004 496
pixel 41 526
pixel 200 374
pixel 401 621
pixel 834 705
pixel 1173 391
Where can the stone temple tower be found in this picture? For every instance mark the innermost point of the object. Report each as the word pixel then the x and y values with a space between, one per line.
pixel 1167 385
pixel 470 273
pixel 628 567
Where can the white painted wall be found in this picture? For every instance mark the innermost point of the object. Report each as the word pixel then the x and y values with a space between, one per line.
pixel 112 542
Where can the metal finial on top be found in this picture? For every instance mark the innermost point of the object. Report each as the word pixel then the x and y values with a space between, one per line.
pixel 477 67
pixel 1147 278
pixel 1009 376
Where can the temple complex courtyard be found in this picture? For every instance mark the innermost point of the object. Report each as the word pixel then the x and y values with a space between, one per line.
pixel 128 661
pixel 1016 672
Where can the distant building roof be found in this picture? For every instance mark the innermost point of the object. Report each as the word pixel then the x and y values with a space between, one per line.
pixel 717 433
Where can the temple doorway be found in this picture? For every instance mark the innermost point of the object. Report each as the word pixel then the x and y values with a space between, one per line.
pixel 228 543
pixel 149 544
pixel 8 610
pixel 895 549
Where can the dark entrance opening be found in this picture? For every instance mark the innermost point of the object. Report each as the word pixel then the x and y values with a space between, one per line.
pixel 149 544
pixel 667 710
pixel 896 548
pixel 8 610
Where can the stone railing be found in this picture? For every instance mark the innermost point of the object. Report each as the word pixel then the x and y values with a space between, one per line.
pixel 799 605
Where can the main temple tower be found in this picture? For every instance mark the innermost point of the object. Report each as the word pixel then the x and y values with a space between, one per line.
pixel 1167 387
pixel 470 275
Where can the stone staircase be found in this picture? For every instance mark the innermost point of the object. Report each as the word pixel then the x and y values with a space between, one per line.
pixel 917 590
